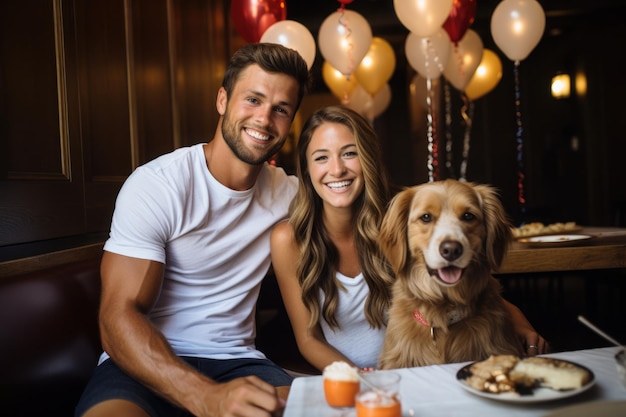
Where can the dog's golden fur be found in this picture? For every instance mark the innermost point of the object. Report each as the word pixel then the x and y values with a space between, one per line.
pixel 442 240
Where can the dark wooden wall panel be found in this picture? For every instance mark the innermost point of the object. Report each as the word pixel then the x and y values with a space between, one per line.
pixel 201 49
pixel 152 78
pixel 38 211
pixel 89 90
pixel 41 188
pixel 31 90
pixel 103 83
pixel 105 117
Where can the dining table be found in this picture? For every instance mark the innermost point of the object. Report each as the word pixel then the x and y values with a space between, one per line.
pixel 439 390
pixel 587 248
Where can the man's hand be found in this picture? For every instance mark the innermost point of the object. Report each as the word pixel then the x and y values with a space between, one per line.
pixel 241 397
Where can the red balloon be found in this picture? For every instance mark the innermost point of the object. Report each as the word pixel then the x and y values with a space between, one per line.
pixel 460 19
pixel 252 17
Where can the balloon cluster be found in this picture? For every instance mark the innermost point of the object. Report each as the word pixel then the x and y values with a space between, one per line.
pixel 265 21
pixel 440 41
pixel 357 66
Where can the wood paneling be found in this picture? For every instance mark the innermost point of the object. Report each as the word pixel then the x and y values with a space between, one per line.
pixel 200 51
pixel 152 78
pixel 32 85
pixel 104 90
pixel 89 90
pixel 41 187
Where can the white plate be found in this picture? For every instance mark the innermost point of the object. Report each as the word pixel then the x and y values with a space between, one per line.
pixel 554 240
pixel 537 394
pixel 595 408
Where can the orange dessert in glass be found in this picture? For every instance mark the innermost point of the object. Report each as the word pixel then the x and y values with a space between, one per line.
pixel 372 404
pixel 341 384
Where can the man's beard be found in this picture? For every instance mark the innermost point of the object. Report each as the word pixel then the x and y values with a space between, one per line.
pixel 232 136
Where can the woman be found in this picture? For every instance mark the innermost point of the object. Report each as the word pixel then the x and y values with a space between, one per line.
pixel 333 279
pixel 332 276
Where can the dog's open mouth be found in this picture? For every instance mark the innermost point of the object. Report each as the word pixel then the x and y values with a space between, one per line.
pixel 448 275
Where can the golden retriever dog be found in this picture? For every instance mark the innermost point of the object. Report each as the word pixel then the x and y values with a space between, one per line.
pixel 443 239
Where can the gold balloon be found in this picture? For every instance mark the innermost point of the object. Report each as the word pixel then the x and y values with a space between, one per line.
pixel 486 76
pixel 339 84
pixel 377 66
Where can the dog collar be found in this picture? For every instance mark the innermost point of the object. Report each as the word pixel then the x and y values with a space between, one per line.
pixel 454 316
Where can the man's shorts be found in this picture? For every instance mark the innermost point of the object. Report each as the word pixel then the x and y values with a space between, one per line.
pixel 110 382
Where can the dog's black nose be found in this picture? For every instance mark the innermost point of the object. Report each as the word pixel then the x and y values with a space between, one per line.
pixel 450 250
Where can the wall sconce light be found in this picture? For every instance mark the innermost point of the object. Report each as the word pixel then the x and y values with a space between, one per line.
pixel 580 84
pixel 561 85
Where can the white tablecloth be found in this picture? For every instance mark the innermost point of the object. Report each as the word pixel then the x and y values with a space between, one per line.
pixel 433 391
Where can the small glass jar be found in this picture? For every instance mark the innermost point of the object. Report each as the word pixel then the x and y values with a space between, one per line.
pixel 620 364
pixel 381 401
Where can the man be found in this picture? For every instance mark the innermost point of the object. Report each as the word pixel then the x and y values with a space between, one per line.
pixel 188 248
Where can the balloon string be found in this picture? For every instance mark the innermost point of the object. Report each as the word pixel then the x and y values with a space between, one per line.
pixel 459 58
pixel 346 97
pixel 426 49
pixel 429 131
pixel 467 112
pixel 343 3
pixel 521 198
pixel 345 22
pixel 436 59
pixel 448 123
pixel 429 50
pixel 434 112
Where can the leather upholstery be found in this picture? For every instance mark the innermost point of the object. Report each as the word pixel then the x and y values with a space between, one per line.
pixel 49 339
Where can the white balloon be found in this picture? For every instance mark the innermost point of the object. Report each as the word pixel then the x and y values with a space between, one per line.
pixel 463 60
pixel 422 17
pixel 517 27
pixel 293 35
pixel 344 39
pixel 428 55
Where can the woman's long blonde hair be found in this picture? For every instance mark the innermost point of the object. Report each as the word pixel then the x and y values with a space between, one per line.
pixel 319 257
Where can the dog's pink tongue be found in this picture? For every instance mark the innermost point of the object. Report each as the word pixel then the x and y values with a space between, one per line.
pixel 450 274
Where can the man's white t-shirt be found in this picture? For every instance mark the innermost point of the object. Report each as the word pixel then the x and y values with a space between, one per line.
pixel 214 243
pixel 355 338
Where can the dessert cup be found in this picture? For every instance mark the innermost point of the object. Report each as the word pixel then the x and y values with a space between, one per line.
pixel 341 384
pixel 379 395
pixel 620 364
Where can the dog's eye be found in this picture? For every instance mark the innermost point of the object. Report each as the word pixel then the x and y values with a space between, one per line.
pixel 468 217
pixel 426 218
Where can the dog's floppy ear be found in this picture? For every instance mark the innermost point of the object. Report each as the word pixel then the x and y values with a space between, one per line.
pixel 393 232
pixel 497 223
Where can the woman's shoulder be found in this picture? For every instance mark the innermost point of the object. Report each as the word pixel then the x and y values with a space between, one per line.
pixel 283 233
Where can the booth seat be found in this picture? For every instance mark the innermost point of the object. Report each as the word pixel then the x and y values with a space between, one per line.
pixel 50 344
pixel 49 339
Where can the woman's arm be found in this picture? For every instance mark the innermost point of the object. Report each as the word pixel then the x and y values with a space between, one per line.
pixel 311 342
pixel 532 341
